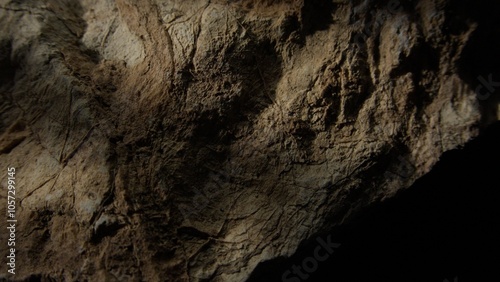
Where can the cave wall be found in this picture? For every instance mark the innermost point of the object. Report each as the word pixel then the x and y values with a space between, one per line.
pixel 190 141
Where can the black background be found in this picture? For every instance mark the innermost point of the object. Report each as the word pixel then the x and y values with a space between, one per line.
pixel 446 226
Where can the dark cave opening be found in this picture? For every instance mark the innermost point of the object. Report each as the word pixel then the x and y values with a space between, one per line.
pixel 443 228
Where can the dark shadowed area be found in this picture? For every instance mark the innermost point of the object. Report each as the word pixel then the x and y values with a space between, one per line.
pixel 444 227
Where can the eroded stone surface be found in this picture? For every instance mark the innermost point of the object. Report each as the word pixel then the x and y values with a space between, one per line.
pixel 186 141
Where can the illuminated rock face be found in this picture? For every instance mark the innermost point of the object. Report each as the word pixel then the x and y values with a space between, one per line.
pixel 192 140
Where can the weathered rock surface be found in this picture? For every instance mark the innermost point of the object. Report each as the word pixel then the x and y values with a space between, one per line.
pixel 191 140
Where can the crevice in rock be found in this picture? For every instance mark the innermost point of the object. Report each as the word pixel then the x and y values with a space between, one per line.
pixel 7 68
pixel 193 147
pixel 317 15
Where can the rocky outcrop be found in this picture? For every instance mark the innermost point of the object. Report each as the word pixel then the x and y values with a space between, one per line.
pixel 190 141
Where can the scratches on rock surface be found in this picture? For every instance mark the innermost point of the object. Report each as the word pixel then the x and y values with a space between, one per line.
pixel 190 141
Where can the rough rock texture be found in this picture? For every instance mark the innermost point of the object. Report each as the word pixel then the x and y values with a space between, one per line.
pixel 192 140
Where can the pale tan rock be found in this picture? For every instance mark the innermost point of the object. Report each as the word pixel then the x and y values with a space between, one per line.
pixel 192 140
